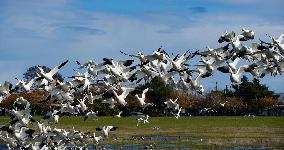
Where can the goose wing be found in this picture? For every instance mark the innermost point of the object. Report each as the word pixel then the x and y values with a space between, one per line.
pixel 57 68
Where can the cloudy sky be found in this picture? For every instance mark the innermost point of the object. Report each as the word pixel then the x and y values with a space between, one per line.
pixel 47 32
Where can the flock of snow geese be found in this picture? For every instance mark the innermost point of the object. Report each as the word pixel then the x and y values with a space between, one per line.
pixel 23 131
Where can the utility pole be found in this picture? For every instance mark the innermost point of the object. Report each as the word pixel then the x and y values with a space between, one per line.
pixel 226 89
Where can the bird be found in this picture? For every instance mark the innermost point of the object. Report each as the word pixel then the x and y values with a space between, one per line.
pixel 156 128
pixel 146 119
pixel 172 104
pixel 49 75
pixel 110 101
pixel 139 120
pixel 235 76
pixel 96 138
pixel 105 130
pixel 194 85
pixel 26 85
pixel 82 106
pixel 119 114
pixel 142 99
pixel 248 34
pixel 6 88
pixel 90 97
pixel 121 98
pixel 223 104
pixel 91 114
pixel 177 115
pixel 52 116
pixel 22 133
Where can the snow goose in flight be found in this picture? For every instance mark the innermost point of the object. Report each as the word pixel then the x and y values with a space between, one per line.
pixel 146 120
pixel 91 114
pixel 22 133
pixel 96 138
pixel 1 98
pixel 21 103
pixel 236 42
pixel 248 34
pixel 194 83
pixel 223 104
pixel 106 129
pixel 92 67
pixel 67 108
pixel 172 104
pixel 49 75
pixel 278 42
pixel 52 116
pixel 20 115
pixel 207 64
pixel 227 37
pixel 232 65
pixel 178 62
pixel 121 98
pixel 11 141
pixel 119 114
pixel 110 101
pixel 26 85
pixel 177 115
pixel 235 76
pixel 5 88
pixel 143 120
pixel 142 99
pixel 82 106
pixel 139 120
pixel 90 97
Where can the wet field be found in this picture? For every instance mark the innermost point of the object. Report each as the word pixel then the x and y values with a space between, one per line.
pixel 197 132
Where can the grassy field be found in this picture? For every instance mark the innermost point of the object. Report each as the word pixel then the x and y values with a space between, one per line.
pixel 192 132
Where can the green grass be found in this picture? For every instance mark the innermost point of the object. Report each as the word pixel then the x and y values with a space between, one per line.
pixel 220 131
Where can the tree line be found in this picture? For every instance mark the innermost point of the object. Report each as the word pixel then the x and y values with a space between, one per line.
pixel 248 97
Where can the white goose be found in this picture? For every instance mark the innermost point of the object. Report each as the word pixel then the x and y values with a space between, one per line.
pixel 146 120
pixel 178 64
pixel 49 76
pixel 96 138
pixel 142 98
pixel 177 115
pixel 67 108
pixel 26 85
pixel 121 98
pixel 223 104
pixel 90 98
pixel 105 130
pixel 194 85
pixel 278 42
pixel 235 76
pixel 82 106
pixel 233 65
pixel 91 114
pixel 23 133
pixel 5 88
pixel 11 141
pixel 248 34
pixel 119 114
pixel 172 104
pixel 110 101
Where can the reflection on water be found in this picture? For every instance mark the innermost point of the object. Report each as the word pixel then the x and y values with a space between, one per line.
pixel 142 146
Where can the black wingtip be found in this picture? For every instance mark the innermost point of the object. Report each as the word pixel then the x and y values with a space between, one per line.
pixel 63 64
pixel 78 63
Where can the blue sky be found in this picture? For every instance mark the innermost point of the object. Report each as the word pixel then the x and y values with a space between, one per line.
pixel 34 32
